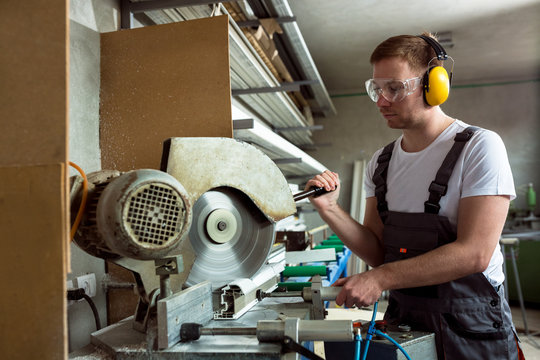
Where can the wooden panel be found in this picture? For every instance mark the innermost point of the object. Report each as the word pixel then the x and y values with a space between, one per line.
pixel 33 189
pixel 33 91
pixel 159 82
pixel 32 272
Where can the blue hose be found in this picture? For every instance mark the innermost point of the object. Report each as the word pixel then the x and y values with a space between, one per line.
pixel 357 346
pixel 380 333
pixel 369 335
pixel 371 330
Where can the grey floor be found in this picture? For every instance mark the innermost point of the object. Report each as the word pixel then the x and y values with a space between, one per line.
pixel 530 344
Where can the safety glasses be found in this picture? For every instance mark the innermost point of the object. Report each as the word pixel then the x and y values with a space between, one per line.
pixel 391 89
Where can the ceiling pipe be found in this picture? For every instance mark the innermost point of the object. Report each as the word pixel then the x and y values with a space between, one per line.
pixel 301 52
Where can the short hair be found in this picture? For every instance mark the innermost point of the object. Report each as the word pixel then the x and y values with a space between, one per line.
pixel 413 49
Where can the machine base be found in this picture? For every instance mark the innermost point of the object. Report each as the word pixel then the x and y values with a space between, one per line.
pixel 120 341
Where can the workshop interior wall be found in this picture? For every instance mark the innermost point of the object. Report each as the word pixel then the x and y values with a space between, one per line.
pixel 512 111
pixel 33 189
pixel 87 20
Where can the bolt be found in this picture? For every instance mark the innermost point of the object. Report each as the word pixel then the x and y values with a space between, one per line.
pixel 222 225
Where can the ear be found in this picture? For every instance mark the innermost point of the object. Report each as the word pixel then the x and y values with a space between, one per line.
pixel 436 86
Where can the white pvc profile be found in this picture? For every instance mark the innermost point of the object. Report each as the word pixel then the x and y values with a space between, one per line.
pixel 275 146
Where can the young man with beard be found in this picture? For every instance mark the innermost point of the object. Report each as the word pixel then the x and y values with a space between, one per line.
pixel 437 200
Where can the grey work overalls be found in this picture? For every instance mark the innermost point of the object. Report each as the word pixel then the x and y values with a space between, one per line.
pixel 470 319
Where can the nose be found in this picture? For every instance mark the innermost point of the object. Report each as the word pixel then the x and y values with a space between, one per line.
pixel 382 102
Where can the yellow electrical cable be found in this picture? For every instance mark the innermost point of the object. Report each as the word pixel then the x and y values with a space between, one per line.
pixel 83 201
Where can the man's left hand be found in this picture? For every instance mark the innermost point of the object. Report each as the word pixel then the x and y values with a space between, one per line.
pixel 360 290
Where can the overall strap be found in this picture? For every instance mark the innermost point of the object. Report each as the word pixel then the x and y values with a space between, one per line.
pixel 379 179
pixel 439 186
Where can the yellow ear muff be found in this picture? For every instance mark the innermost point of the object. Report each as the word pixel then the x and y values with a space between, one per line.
pixel 436 86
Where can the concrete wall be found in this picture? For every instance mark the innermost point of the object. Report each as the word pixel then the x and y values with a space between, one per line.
pixel 511 110
pixel 87 20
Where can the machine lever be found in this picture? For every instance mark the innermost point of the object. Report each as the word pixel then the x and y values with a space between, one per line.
pixel 289 344
pixel 313 191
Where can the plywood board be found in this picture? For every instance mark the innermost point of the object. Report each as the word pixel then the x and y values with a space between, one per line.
pixel 33 86
pixel 32 271
pixel 33 189
pixel 159 82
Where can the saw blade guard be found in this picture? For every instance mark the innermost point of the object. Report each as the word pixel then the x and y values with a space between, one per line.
pixel 202 164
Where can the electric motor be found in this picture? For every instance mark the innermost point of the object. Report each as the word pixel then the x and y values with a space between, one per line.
pixel 141 214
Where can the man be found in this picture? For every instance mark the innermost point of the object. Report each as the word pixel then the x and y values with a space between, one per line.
pixel 437 200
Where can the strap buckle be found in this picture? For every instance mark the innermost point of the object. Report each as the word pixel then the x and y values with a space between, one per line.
pixel 431 208
pixel 438 188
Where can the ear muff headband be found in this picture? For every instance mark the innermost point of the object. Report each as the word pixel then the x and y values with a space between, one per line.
pixel 439 50
pixel 436 79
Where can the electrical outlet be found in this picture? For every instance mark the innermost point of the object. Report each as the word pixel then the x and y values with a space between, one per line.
pixel 88 283
pixel 69 285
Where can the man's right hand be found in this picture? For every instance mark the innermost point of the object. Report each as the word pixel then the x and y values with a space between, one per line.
pixel 330 181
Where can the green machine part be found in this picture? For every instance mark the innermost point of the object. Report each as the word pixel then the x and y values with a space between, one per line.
pixel 339 248
pixel 332 242
pixel 527 264
pixel 304 270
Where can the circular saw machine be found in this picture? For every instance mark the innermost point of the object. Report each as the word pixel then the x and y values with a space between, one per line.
pixel 208 215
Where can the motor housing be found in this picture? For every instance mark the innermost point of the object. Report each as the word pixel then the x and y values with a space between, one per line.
pixel 142 214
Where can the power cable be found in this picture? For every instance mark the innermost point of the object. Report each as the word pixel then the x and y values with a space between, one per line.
pixel 78 294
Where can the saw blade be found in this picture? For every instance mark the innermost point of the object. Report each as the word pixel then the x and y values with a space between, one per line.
pixel 230 236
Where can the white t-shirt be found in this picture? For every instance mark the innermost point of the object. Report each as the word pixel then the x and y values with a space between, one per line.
pixel 481 169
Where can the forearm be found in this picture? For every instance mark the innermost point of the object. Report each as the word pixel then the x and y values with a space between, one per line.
pixel 443 264
pixel 360 239
pixel 446 263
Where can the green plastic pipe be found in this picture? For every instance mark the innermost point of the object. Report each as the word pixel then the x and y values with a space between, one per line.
pixel 337 247
pixel 304 270
pixel 332 242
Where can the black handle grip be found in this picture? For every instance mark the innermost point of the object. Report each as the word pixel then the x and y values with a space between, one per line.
pixel 190 331
pixel 313 191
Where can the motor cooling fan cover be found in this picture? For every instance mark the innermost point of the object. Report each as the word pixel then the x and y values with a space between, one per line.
pixel 144 214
